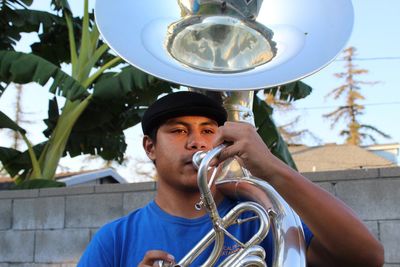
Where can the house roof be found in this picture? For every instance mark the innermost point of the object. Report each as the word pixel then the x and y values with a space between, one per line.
pixel 77 178
pixel 336 157
pixel 84 177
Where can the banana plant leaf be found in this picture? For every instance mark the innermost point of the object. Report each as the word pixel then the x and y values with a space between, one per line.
pixel 37 183
pixel 53 39
pixel 291 91
pixel 140 87
pixel 8 17
pixel 61 5
pixel 20 2
pixel 3 87
pixel 15 21
pixel 24 68
pixel 6 122
pixel 108 146
pixel 17 162
pixel 119 101
pixel 269 132
pixel 265 124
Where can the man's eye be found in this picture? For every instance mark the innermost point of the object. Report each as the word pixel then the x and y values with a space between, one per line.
pixel 179 131
pixel 208 131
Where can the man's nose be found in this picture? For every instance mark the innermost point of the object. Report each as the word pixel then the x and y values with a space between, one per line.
pixel 196 141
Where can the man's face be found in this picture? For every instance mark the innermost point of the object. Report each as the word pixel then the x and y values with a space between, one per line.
pixel 177 140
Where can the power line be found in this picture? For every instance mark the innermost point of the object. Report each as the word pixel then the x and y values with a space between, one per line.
pixel 330 107
pixel 370 58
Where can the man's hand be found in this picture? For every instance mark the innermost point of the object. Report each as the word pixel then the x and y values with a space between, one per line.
pixel 248 147
pixel 153 257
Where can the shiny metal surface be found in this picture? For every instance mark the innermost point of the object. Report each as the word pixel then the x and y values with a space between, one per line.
pixel 285 223
pixel 220 36
pixel 290 250
pixel 253 256
pixel 238 104
pixel 307 33
pixel 221 224
pixel 219 44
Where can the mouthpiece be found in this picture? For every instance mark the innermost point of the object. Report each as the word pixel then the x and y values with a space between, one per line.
pixel 197 158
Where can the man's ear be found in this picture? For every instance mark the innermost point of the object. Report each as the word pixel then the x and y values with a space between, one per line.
pixel 149 146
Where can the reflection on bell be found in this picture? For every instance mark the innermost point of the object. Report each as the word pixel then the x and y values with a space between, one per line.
pixel 220 43
pixel 150 35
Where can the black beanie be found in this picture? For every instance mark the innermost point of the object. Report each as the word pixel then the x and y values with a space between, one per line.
pixel 182 104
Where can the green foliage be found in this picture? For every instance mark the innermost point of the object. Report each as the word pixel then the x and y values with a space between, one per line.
pixel 15 161
pixel 269 132
pixel 291 91
pixel 99 104
pixel 18 163
pixel 141 88
pixel 53 39
pixel 9 22
pixel 15 19
pixel 37 183
pixel 6 122
pixel 61 5
pixel 24 68
pixel 99 129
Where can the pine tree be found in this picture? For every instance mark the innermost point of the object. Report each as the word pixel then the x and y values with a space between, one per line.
pixel 356 133
pixel 19 115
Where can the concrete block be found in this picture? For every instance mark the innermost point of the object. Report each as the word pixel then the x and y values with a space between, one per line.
pixel 133 187
pixel 372 199
pixel 62 191
pixel 39 213
pixel 327 186
pixel 92 210
pixel 135 200
pixel 32 264
pixel 343 175
pixel 19 193
pixel 16 246
pixel 373 228
pixel 5 214
pixel 93 231
pixel 390 236
pixel 60 246
pixel 389 172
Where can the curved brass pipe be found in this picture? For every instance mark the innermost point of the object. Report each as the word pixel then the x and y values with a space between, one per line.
pixel 269 207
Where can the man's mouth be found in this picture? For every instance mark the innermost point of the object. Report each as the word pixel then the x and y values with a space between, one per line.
pixel 188 162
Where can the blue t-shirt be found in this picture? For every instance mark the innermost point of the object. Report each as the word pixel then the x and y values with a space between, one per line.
pixel 125 241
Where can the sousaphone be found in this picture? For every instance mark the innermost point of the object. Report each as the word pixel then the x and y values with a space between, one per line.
pixel 232 47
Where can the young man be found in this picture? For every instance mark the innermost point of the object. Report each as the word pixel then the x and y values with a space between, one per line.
pixel 180 124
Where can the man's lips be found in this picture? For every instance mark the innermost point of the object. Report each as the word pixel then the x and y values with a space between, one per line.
pixel 188 161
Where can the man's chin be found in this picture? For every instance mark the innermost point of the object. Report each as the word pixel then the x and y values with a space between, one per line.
pixel 190 170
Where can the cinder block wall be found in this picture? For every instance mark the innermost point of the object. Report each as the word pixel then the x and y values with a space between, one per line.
pixel 51 227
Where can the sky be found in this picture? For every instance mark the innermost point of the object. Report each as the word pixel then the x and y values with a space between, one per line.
pixel 376 36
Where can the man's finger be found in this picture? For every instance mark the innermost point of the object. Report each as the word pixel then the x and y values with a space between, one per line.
pixel 154 256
